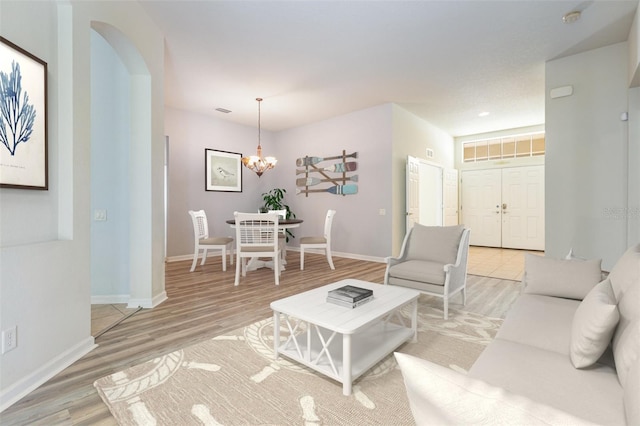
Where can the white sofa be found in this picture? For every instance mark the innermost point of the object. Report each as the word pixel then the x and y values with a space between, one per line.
pixel 568 352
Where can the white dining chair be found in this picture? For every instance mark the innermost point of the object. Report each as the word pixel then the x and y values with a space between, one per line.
pixel 282 236
pixel 256 236
pixel 204 242
pixel 321 242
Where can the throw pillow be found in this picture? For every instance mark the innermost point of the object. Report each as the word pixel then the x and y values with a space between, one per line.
pixel 434 243
pixel 593 325
pixel 571 279
pixel 440 396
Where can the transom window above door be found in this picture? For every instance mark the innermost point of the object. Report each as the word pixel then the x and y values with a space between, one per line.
pixel 526 145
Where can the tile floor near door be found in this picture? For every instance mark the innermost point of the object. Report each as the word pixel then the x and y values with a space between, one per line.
pixel 494 262
pixel 484 261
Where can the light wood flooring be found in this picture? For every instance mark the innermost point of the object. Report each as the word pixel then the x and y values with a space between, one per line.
pixel 201 305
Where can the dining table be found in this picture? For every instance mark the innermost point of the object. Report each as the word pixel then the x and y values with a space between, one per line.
pixel 255 262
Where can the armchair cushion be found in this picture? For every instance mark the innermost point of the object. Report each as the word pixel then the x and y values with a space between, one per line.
pixel 434 243
pixel 571 279
pixel 419 270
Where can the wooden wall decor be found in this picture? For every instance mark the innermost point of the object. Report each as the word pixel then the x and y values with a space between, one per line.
pixel 336 174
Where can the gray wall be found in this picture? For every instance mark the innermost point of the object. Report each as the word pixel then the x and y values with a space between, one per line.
pixel 587 147
pixel 358 228
pixel 367 225
pixel 189 134
pixel 368 132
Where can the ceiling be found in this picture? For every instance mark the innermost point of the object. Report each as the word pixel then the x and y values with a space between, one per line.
pixel 445 61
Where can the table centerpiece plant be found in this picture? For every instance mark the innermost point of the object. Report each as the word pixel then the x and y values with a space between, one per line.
pixel 274 200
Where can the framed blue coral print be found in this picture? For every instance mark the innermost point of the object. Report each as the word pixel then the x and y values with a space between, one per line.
pixel 23 119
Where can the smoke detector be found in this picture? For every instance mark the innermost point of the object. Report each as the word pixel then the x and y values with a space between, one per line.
pixel 571 17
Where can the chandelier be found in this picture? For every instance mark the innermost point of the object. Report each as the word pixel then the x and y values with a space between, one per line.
pixel 256 162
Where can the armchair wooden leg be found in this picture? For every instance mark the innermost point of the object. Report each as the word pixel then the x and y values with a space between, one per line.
pixel 446 307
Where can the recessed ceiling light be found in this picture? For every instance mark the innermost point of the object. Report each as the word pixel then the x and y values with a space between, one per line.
pixel 483 114
pixel 226 111
pixel 571 17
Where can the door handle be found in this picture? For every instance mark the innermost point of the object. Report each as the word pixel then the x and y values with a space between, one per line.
pixel 504 206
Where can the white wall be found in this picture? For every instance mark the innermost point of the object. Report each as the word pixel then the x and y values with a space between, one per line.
pixel 412 136
pixel 633 209
pixel 45 238
pixel 587 149
pixel 110 141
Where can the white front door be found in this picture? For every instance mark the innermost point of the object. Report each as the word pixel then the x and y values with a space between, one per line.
pixel 505 207
pixel 481 199
pixel 523 208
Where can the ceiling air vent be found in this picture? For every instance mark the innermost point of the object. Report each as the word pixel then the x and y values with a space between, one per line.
pixel 223 110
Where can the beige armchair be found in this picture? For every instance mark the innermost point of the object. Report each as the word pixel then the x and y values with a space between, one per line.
pixel 433 260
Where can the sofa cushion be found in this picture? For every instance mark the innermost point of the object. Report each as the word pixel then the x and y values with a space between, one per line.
pixel 540 321
pixel 438 395
pixel 632 394
pixel 434 243
pixel 419 270
pixel 568 278
pixel 549 378
pixel 626 349
pixel 593 325
pixel 625 281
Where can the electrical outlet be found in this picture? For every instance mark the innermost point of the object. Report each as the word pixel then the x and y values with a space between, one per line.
pixel 100 215
pixel 9 339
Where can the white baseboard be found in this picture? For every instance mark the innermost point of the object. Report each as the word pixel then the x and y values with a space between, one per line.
pixel 214 253
pixel 148 303
pixel 20 389
pixel 341 254
pixel 109 299
pixel 297 249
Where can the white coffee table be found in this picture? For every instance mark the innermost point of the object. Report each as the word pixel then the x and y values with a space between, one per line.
pixel 368 332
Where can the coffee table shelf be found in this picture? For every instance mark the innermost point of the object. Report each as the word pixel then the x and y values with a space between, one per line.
pixel 368 348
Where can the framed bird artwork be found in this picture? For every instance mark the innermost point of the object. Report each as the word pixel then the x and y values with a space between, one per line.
pixel 222 170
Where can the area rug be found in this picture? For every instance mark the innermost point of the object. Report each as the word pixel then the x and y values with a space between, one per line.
pixel 234 380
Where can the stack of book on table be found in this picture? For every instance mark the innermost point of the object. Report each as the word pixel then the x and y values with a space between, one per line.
pixel 349 296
